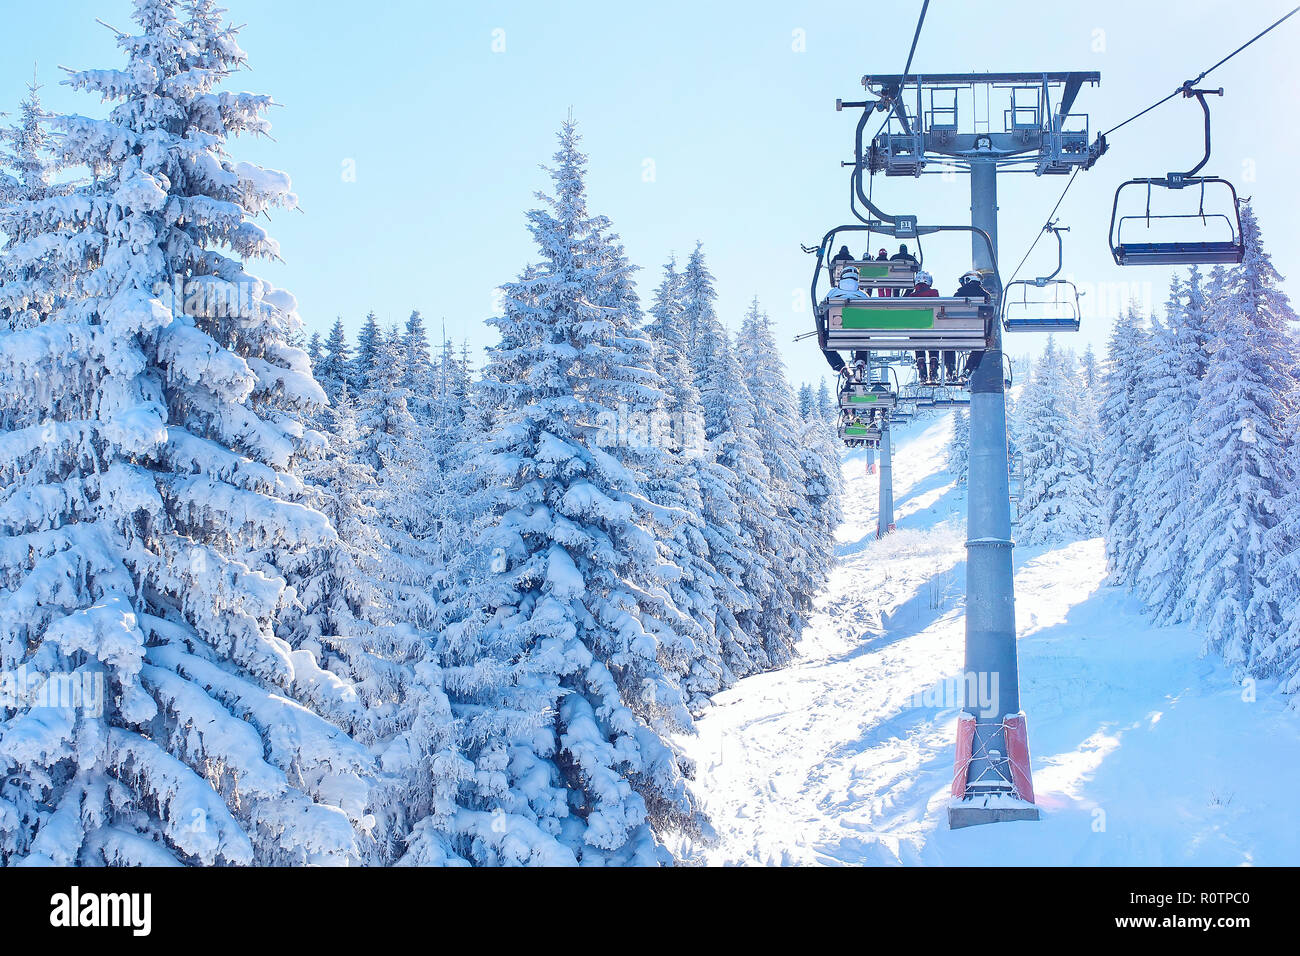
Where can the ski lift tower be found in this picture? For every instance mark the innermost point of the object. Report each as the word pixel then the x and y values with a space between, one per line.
pixel 984 124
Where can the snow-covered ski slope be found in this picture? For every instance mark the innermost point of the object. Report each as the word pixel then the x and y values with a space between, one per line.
pixel 1143 752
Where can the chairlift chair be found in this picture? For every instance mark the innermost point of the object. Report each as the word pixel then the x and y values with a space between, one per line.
pixel 951 397
pixel 950 324
pixel 866 396
pixel 877 274
pixel 859 434
pixel 1015 475
pixel 902 324
pixel 1218 237
pixel 1044 304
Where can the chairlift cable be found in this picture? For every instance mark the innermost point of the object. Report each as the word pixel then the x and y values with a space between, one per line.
pixel 1050 216
pixel 920 21
pixel 1205 73
pixel 907 68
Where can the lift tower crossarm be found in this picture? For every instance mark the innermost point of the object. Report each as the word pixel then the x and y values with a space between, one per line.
pixel 961 79
pixel 1038 133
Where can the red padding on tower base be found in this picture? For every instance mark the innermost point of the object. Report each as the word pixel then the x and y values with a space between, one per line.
pixel 961 765
pixel 1017 737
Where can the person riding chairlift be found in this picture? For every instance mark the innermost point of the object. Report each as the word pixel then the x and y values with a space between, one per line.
pixel 969 287
pixel 883 256
pixel 972 287
pixel 924 289
pixel 846 288
pixel 902 255
pixel 842 256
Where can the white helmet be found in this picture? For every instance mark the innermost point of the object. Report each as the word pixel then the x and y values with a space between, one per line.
pixel 924 278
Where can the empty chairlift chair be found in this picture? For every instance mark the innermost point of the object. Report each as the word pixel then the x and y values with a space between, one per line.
pixel 924 399
pixel 1044 304
pixel 1015 480
pixel 951 397
pixel 1211 234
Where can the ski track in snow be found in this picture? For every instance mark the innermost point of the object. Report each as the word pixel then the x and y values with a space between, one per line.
pixel 1143 752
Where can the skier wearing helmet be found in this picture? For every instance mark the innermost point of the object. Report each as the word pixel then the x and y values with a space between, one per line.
pixel 971 287
pixel 925 290
pixel 883 256
pixel 845 288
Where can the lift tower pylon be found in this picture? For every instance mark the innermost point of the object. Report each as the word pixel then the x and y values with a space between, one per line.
pixel 1040 134
pixel 885 509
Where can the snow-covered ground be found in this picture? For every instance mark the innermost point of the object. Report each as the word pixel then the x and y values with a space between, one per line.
pixel 1143 752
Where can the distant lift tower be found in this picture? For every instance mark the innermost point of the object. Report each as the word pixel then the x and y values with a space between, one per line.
pixel 985 123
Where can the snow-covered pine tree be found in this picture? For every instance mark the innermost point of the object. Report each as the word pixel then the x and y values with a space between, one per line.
pixel 807 403
pixel 823 484
pixel 1090 370
pixel 739 500
pixel 340 615
pixel 396 445
pixel 959 446
pixel 658 438
pixel 25 155
pixel 315 352
pixel 450 442
pixel 1122 457
pixel 733 518
pixel 369 341
pixel 1056 503
pixel 1085 425
pixel 336 588
pixel 1175 364
pixel 1243 473
pixel 494 700
pixel 828 405
pixel 573 567
pixel 334 370
pixel 699 312
pixel 398 663
pixel 1280 650
pixel 677 483
pixel 384 418
pixel 417 363
pixel 669 330
pixel 30 264
pixel 147 486
pixel 803 553
pixel 821 463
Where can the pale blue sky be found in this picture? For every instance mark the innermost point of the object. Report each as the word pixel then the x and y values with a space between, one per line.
pixel 446 135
